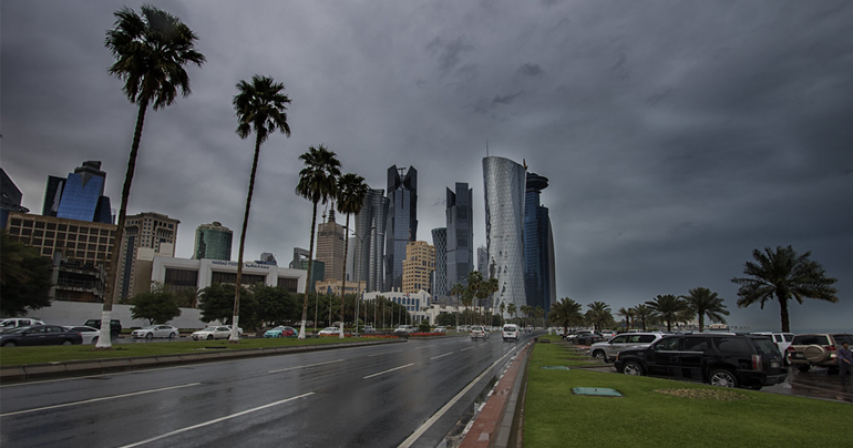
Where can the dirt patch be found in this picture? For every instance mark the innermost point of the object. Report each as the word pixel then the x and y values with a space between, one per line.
pixel 706 394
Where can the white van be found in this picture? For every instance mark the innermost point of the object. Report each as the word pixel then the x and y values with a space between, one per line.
pixel 510 331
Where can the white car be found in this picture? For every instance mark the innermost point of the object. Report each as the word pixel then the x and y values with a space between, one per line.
pixel 239 330
pixel 478 331
pixel 510 331
pixel 330 331
pixel 404 329
pixel 211 333
pixel 155 331
pixel 15 322
pixel 90 335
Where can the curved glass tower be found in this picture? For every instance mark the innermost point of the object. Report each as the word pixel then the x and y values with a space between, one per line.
pixel 504 182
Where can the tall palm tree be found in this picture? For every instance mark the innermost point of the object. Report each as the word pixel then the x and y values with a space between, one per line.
pixel 151 51
pixel 599 315
pixel 669 309
pixel 645 314
pixel 782 274
pixel 512 310
pixel 474 288
pixel 456 290
pixel 260 107
pixel 525 311
pixel 565 313
pixel 628 314
pixel 502 308
pixel 351 193
pixel 702 302
pixel 318 182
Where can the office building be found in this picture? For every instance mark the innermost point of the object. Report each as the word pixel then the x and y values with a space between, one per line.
pixel 439 240
pixel 402 227
pixel 213 242
pixel 300 262
pixel 80 196
pixel 267 258
pixel 460 235
pixel 180 273
pixel 152 231
pixel 416 304
pixel 330 247
pixel 369 247
pixel 504 182
pixel 418 267
pixel 10 198
pixel 539 272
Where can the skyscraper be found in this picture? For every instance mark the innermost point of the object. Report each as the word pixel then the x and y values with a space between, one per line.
pixel 417 267
pixel 504 182
pixel 330 247
pixel 460 234
pixel 402 227
pixel 10 198
pixel 80 196
pixel 483 261
pixel 370 225
pixel 439 240
pixel 213 241
pixel 539 281
pixel 152 231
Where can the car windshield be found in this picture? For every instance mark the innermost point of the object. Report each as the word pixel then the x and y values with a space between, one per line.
pixel 152 327
pixel 277 329
pixel 8 323
pixel 508 328
pixel 208 329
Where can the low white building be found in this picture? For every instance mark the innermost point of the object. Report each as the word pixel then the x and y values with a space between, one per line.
pixel 415 303
pixel 179 273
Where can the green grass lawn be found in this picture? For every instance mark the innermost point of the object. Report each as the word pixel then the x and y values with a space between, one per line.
pixel 649 415
pixel 10 356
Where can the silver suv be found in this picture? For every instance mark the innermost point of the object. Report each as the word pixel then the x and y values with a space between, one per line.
pixel 479 332
pixel 808 350
pixel 607 351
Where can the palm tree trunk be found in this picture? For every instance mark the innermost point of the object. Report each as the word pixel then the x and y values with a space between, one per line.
pixel 104 341
pixel 783 309
pixel 344 279
pixel 308 281
pixel 235 321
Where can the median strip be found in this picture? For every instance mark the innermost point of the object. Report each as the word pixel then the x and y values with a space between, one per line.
pixel 388 371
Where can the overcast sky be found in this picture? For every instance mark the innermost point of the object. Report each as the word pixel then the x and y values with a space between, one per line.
pixel 677 136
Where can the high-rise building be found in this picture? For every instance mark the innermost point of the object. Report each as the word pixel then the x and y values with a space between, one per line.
pixel 369 248
pixel 300 261
pixel 330 247
pixel 539 282
pixel 10 198
pixel 402 227
pixel 460 234
pixel 504 182
pixel 483 261
pixel 439 240
pixel 268 259
pixel 213 242
pixel 152 231
pixel 418 266
pixel 79 196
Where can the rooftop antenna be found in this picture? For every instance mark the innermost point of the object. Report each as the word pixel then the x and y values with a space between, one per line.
pixel 487 147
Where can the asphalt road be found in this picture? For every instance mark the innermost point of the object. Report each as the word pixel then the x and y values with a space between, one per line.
pixel 358 397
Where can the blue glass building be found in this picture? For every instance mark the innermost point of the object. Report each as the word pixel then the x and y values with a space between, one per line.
pixel 402 222
pixel 539 281
pixel 370 240
pixel 460 234
pixel 80 196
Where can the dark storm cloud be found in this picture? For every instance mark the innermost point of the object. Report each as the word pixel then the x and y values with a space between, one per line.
pixel 449 54
pixel 531 70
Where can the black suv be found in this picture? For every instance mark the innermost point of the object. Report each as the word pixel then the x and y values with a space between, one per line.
pixel 115 326
pixel 726 360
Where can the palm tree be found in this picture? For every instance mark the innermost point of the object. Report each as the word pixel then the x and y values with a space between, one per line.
pixel 474 288
pixel 669 308
pixel 782 274
pixel 565 313
pixel 645 314
pixel 525 311
pixel 261 107
pixel 456 290
pixel 351 193
pixel 538 313
pixel 599 315
pixel 512 310
pixel 151 51
pixel 628 314
pixel 318 182
pixel 502 307
pixel 703 302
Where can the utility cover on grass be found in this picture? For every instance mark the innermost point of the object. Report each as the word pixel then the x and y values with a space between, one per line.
pixel 555 367
pixel 596 391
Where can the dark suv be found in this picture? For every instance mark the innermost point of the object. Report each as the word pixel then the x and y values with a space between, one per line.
pixel 726 360
pixel 115 326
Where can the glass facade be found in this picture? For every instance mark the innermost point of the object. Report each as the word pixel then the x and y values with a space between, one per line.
pixel 504 185
pixel 80 195
pixel 539 281
pixel 460 234
pixel 213 241
pixel 402 223
pixel 370 240
pixel 439 240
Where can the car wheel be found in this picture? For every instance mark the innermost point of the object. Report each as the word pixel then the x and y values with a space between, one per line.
pixel 66 342
pixel 209 337
pixel 804 367
pixel 632 368
pixel 722 378
pixel 599 354
pixel 9 344
pixel 95 340
pixel 149 336
pixel 172 335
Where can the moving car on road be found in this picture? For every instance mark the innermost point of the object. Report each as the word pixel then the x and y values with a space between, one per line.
pixel 281 332
pixel 479 332
pixel 39 335
pixel 155 331
pixel 211 333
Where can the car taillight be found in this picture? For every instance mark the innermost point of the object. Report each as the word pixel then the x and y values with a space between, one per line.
pixel 830 348
pixel 756 362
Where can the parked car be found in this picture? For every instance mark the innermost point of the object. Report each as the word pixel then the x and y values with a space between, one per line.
pixel 90 335
pixel 607 334
pixel 726 360
pixel 15 322
pixel 155 331
pixel 404 329
pixel 510 331
pixel 281 332
pixel 480 332
pixel 211 333
pixel 330 331
pixel 115 326
pixel 607 350
pixel 35 335
pixel 440 329
pixel 807 350
pixel 584 338
pixel 782 340
pixel 368 330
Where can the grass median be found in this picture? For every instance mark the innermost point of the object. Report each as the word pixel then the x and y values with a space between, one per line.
pixel 662 413
pixel 11 356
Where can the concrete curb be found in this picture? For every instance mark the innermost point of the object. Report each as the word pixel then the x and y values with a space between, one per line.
pixel 109 365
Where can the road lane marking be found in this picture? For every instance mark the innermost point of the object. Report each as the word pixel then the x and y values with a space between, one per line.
pixel 466 348
pixel 426 346
pixel 215 421
pixel 95 400
pixel 305 366
pixel 388 371
pixel 383 354
pixel 431 421
pixel 442 356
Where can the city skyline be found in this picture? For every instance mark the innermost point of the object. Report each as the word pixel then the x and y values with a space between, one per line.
pixel 677 138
